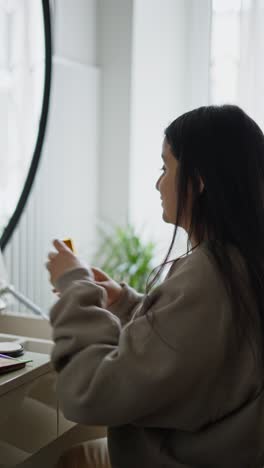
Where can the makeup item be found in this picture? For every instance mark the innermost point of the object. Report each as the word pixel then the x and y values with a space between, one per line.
pixel 69 244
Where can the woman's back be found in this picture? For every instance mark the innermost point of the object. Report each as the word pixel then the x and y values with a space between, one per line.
pixel 220 421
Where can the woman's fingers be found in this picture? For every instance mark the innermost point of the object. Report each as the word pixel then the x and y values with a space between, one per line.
pixel 99 275
pixel 52 255
pixel 55 291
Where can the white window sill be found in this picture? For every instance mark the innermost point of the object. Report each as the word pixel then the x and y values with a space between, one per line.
pixel 15 323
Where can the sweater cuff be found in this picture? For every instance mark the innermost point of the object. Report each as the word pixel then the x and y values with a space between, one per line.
pixel 65 280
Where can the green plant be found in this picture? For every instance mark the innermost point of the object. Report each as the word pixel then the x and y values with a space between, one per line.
pixel 124 256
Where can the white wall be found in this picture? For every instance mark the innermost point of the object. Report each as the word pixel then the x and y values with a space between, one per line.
pixel 74 25
pixel 198 43
pixel 114 58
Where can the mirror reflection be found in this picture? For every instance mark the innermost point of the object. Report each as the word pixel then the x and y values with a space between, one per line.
pixel 22 54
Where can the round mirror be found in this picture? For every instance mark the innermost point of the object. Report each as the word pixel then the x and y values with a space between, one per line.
pixel 25 74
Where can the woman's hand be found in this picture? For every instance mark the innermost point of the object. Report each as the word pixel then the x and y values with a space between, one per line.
pixel 113 289
pixel 62 261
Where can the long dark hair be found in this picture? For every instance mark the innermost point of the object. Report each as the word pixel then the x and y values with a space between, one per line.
pixel 225 147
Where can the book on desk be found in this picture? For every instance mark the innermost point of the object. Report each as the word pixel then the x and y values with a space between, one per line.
pixel 8 364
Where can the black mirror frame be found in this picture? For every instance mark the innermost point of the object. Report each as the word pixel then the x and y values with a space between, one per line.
pixel 9 229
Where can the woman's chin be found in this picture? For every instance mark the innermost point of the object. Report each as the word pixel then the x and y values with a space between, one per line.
pixel 164 217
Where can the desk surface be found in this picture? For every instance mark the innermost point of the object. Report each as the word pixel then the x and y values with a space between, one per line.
pixel 40 365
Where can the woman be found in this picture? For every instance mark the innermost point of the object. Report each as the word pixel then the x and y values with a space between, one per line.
pixel 177 375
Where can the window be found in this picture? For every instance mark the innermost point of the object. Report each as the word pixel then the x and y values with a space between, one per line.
pixel 225 51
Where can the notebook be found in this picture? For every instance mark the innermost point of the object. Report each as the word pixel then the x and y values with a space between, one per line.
pixel 8 364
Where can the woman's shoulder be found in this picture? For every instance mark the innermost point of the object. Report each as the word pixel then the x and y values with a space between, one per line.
pixel 199 260
pixel 202 259
pixel 198 273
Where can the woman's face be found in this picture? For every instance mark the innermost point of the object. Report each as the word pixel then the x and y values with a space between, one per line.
pixel 166 184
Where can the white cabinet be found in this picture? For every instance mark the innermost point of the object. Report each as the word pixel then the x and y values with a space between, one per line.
pixel 33 431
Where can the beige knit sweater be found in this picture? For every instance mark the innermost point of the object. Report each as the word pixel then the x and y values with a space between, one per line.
pixel 172 387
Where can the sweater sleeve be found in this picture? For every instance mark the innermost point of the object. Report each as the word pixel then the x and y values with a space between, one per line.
pixel 113 375
pixel 130 301
pixel 126 305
